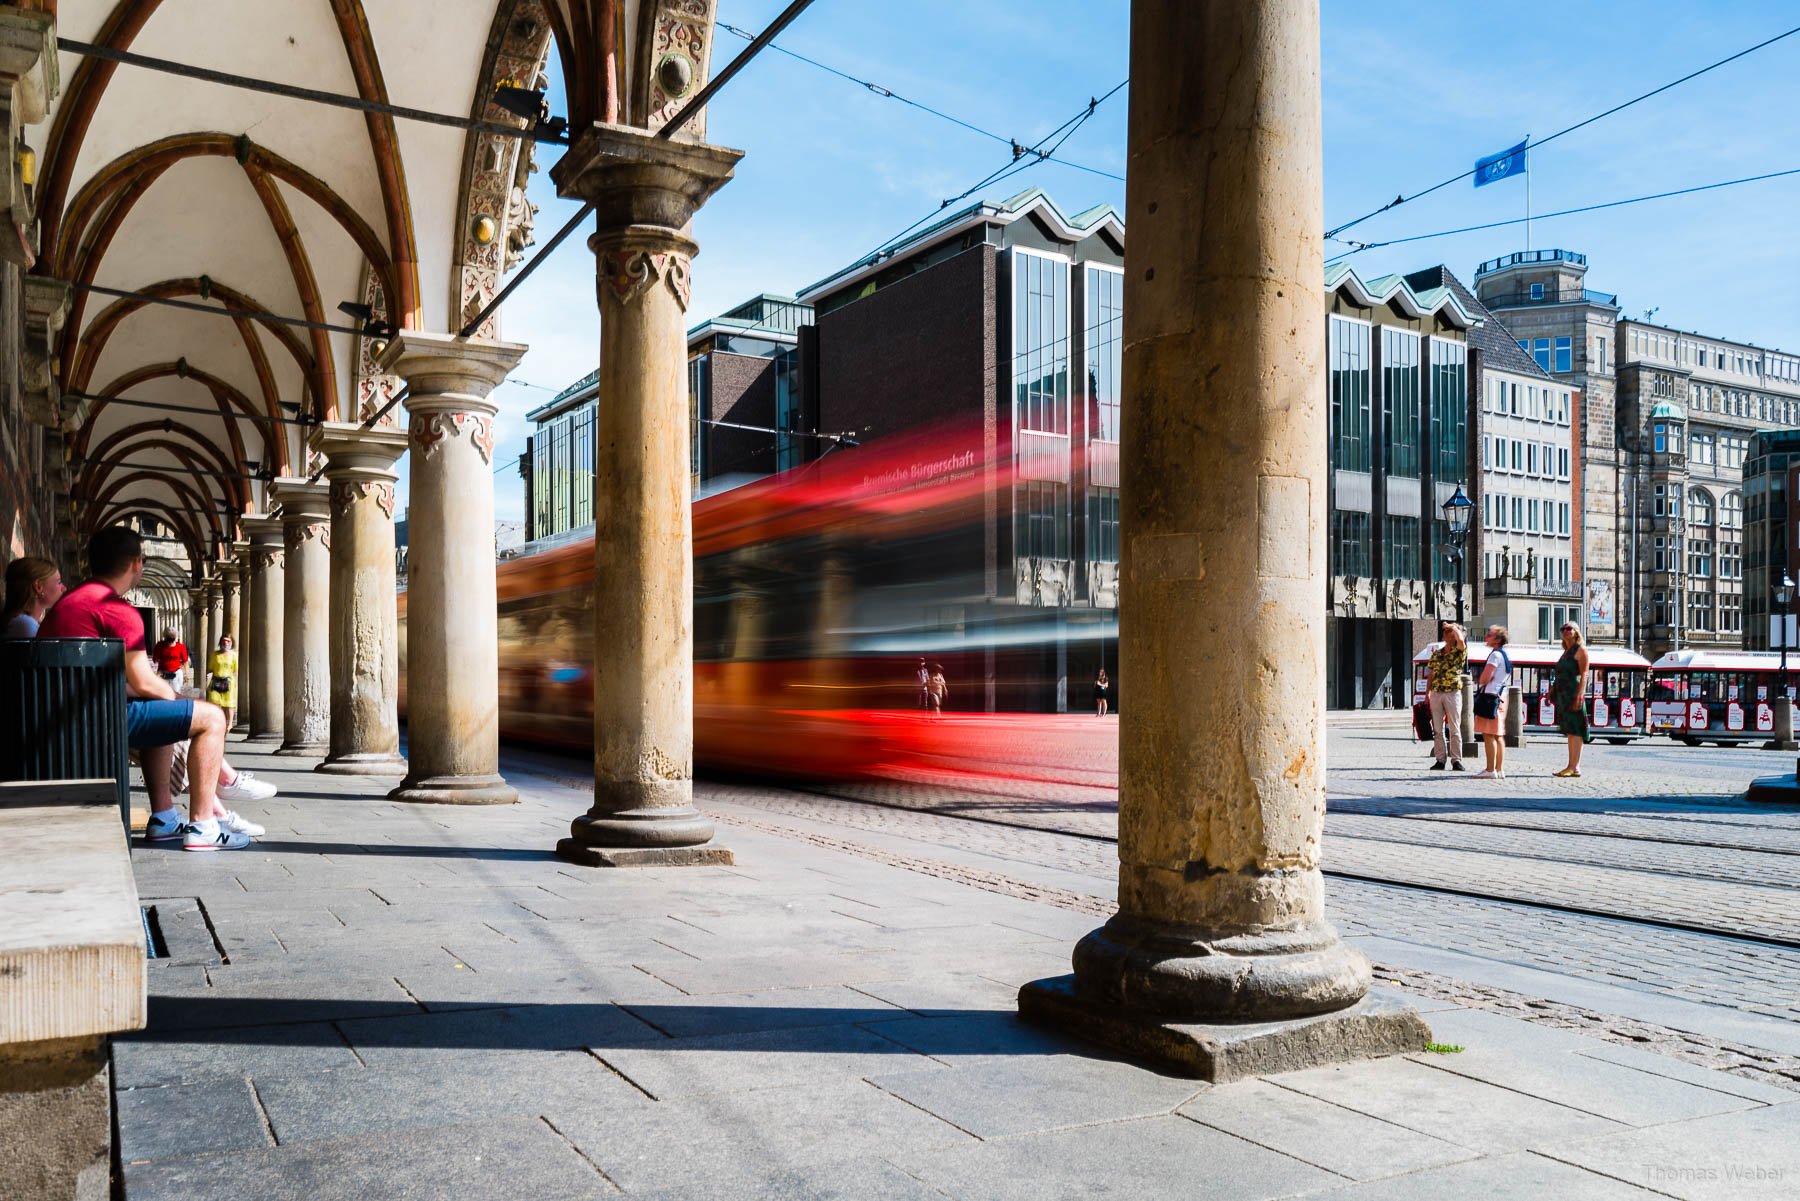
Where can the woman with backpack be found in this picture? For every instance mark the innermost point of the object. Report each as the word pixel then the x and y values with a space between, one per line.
pixel 1490 705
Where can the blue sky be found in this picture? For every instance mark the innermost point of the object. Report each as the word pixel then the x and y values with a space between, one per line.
pixel 1413 92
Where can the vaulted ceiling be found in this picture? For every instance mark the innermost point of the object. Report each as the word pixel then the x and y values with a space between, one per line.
pixel 245 206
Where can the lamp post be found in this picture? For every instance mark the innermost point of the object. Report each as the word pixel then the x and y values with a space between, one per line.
pixel 1784 597
pixel 1458 511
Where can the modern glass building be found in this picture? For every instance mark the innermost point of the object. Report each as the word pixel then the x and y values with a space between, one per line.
pixel 1771 545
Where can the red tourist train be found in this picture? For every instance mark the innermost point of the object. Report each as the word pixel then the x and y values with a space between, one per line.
pixel 1718 696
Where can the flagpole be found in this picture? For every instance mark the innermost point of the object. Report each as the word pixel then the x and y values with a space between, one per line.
pixel 1527 193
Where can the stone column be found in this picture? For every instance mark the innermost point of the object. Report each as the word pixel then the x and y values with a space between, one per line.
pixel 231 583
pixel 246 653
pixel 265 682
pixel 215 622
pixel 305 618
pixel 645 192
pixel 365 656
pixel 195 634
pixel 452 640
pixel 1220 962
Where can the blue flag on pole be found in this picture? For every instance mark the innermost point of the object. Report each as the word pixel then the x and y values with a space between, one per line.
pixel 1504 165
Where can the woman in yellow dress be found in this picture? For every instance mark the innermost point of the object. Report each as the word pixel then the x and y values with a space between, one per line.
pixel 221 684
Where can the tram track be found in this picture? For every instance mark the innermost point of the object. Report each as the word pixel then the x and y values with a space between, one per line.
pixel 1541 904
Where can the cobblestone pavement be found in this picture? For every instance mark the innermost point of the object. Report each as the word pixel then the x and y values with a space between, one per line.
pixel 1676 963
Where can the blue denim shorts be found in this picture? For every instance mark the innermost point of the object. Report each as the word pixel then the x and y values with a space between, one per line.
pixel 158 723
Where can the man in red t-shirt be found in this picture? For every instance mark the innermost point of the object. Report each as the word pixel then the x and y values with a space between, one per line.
pixel 156 717
pixel 171 656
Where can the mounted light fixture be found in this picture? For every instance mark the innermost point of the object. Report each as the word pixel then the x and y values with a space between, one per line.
pixel 372 326
pixel 528 104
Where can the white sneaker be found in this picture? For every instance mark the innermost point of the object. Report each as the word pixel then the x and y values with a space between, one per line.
pixel 1483 774
pixel 166 826
pixel 246 788
pixel 198 838
pixel 229 819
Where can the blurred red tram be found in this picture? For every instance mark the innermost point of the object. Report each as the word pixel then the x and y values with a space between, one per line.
pixel 815 593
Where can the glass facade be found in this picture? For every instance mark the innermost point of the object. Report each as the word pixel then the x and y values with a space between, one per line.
pixel 1042 523
pixel 1040 343
pixel 699 404
pixel 1449 411
pixel 1349 543
pixel 1104 296
pixel 1400 402
pixel 790 451
pixel 1348 355
pixel 1400 548
pixel 562 472
pixel 1103 525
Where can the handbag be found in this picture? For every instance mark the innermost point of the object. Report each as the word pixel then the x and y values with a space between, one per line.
pixel 1487 704
pixel 1422 721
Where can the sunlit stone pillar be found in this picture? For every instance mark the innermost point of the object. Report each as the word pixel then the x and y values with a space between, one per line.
pixel 263 681
pixel 1220 961
pixel 644 191
pixel 305 618
pixel 452 639
pixel 365 663
pixel 215 623
pixel 240 555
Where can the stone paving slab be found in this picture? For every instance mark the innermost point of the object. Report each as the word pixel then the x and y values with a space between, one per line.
pixel 1731 1157
pixel 808 1024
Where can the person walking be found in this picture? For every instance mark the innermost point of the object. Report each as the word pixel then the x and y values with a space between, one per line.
pixel 1490 705
pixel 922 683
pixel 939 689
pixel 221 684
pixel 32 586
pixel 170 655
pixel 1444 680
pixel 1102 687
pixel 1568 692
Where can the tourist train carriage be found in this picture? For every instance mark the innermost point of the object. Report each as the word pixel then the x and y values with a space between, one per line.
pixel 1618 687
pixel 1717 696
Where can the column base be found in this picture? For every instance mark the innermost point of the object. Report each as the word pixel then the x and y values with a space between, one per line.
pixel 264 736
pixel 1774 790
pixel 710 855
pixel 364 763
pixel 649 827
pixel 455 790
pixel 1223 1051
pixel 1777 744
pixel 305 750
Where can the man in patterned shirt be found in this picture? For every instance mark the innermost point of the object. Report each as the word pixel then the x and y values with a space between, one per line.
pixel 1444 682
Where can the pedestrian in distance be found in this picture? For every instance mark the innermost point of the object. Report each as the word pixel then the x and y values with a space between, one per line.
pixel 171 655
pixel 32 586
pixel 221 683
pixel 939 689
pixel 1102 688
pixel 1568 692
pixel 1490 705
pixel 156 718
pixel 1444 680
pixel 922 685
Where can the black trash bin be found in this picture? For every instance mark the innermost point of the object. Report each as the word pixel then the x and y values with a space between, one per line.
pixel 62 712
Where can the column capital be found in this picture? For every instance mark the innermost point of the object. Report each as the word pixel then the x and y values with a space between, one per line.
pixel 301 500
pixel 352 452
pixel 229 573
pixel 644 189
pixel 264 533
pixel 445 373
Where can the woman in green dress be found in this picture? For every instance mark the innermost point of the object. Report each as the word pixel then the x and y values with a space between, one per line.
pixel 1568 692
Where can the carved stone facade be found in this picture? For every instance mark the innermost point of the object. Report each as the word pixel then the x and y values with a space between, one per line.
pixel 630 273
pixel 430 429
pixel 678 61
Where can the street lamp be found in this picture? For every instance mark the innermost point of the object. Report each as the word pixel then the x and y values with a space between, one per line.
pixel 1458 511
pixel 1784 597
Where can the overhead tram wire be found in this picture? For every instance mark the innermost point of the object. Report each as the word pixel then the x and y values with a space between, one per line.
pixel 534 133
pixel 890 94
pixel 216 310
pixel 1025 160
pixel 1359 247
pixel 233 414
pixel 680 119
pixel 1403 199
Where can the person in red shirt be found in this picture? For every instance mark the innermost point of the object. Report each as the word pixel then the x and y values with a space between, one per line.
pixel 171 655
pixel 155 717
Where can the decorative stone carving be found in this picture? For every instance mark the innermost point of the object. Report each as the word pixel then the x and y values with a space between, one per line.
pixel 345 493
pixel 676 63
pixel 46 308
pixel 298 534
pixel 28 82
pixel 430 429
pixel 374 388
pixel 629 273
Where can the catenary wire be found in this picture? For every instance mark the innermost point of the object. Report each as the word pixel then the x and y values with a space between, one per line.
pixel 1403 199
pixel 311 95
pixel 1012 167
pixel 890 94
pixel 1359 247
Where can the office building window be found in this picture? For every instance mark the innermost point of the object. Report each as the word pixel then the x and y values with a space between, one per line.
pixel 1104 300
pixel 1103 525
pixel 1449 410
pixel 1040 343
pixel 1518 455
pixel 1537 291
pixel 1700 448
pixel 1540 350
pixel 1731 511
pixel 1564 350
pixel 1700 611
pixel 1349 543
pixel 1600 357
pixel 1562 463
pixel 698 402
pixel 789 448
pixel 1731 615
pixel 1531 515
pixel 1562 520
pixel 1349 356
pixel 1531 459
pixel 1041 526
pixel 1518 512
pixel 1400 548
pixel 1400 401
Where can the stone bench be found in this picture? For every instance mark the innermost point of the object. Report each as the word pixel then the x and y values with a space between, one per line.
pixel 71 973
